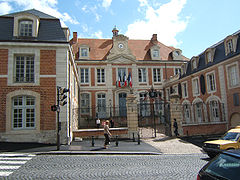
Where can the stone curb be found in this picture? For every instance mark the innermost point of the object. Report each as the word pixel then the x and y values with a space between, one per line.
pixel 95 153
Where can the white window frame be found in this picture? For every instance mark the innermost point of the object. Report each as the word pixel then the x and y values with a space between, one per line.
pixel 233 77
pixel 25 28
pixel 157 75
pixel 28 72
pixel 211 82
pixel 187 113
pixel 142 75
pixel 155 53
pixel 21 111
pixel 84 52
pixel 84 75
pixel 198 112
pixel 85 103
pixel 214 110
pixel 184 90
pixel 101 105
pixel 101 75
pixel 177 70
pixel 195 86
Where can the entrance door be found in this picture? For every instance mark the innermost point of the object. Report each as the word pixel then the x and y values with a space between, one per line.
pixel 122 104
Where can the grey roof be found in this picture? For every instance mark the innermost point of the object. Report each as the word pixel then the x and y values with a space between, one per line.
pixel 50 29
pixel 219 56
pixel 35 12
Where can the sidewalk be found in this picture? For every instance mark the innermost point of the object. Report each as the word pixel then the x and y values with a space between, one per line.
pixel 154 146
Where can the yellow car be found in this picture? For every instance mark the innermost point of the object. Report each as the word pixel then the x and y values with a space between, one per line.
pixel 231 140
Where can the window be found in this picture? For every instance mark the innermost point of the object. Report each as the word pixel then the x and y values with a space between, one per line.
pixel 84 75
pixel 211 82
pixel 144 105
pixel 155 53
pixel 177 71
pixel 121 74
pixel 186 111
pixel 214 111
pixel 85 99
pixel 142 75
pixel 101 105
pixel 84 52
pixel 101 75
pixel 194 64
pixel 233 75
pixel 229 45
pixel 23 112
pixel 24 69
pixel 25 28
pixel 209 57
pixel 195 86
pixel 157 75
pixel 184 90
pixel 198 112
pixel 236 99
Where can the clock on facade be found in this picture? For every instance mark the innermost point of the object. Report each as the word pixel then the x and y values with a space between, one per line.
pixel 120 45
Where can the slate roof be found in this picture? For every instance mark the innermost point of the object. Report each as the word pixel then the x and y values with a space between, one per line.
pixel 50 29
pixel 99 48
pixel 219 56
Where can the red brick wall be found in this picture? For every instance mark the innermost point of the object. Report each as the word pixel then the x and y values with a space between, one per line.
pixel 48 62
pixel 92 76
pixel 204 129
pixel 3 61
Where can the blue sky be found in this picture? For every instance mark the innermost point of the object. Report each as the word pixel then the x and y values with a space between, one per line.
pixel 191 25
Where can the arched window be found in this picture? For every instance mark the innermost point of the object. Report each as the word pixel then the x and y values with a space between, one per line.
pixel 101 105
pixel 26 28
pixel 85 100
pixel 23 112
pixel 214 110
pixel 186 113
pixel 199 112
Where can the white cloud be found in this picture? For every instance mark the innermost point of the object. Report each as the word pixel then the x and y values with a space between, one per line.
pixel 106 3
pixel 5 8
pixel 98 34
pixel 164 21
pixel 46 6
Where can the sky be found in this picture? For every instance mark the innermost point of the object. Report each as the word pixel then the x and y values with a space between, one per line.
pixel 190 25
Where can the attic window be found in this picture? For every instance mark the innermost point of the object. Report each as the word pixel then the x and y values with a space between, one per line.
pixel 194 62
pixel 25 28
pixel 84 52
pixel 230 44
pixel 155 53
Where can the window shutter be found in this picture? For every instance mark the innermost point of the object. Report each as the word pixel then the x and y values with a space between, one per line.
pixel 180 90
pixel 236 99
pixel 202 84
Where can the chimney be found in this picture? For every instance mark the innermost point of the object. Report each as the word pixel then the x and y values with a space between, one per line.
pixel 74 37
pixel 154 39
pixel 115 31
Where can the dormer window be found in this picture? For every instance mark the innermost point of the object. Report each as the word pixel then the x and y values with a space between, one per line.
pixel 230 44
pixel 209 55
pixel 183 68
pixel 84 52
pixel 177 54
pixel 194 62
pixel 25 25
pixel 25 28
pixel 155 53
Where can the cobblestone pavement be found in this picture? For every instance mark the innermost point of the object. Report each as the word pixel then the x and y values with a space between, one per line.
pixel 111 167
pixel 169 145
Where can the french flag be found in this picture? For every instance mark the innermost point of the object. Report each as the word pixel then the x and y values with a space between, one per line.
pixel 119 80
pixel 130 79
pixel 125 79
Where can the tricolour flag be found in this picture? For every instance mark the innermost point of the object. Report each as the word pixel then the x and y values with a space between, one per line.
pixel 119 80
pixel 125 79
pixel 130 79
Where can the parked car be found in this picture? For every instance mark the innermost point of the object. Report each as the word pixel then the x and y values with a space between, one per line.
pixel 231 140
pixel 225 166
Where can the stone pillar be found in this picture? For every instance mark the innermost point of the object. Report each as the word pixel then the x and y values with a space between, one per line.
pixel 132 115
pixel 176 113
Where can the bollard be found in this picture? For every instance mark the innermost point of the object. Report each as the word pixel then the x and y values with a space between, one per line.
pixel 133 138
pixel 92 141
pixel 117 140
pixel 138 139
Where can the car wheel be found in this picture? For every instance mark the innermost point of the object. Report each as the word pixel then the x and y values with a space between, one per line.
pixel 211 155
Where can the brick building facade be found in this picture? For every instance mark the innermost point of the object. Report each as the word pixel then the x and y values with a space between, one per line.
pixel 110 69
pixel 35 58
pixel 208 89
